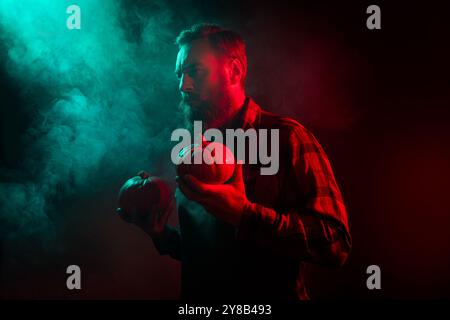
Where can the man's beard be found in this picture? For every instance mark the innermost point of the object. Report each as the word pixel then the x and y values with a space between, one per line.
pixel 210 115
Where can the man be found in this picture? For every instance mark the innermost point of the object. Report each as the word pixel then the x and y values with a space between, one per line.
pixel 248 238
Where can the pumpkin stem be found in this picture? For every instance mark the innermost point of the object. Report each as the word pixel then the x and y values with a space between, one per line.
pixel 143 174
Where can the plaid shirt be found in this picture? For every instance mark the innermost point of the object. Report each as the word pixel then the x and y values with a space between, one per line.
pixel 296 216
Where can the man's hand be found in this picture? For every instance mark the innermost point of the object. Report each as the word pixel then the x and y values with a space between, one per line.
pixel 226 201
pixel 152 222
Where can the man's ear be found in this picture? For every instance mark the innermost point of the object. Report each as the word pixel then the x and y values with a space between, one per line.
pixel 236 71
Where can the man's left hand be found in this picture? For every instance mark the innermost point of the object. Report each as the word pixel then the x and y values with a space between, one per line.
pixel 225 201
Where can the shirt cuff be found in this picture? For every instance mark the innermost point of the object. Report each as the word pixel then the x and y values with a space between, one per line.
pixel 168 242
pixel 255 218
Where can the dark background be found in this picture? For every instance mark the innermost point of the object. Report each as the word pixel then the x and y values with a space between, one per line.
pixel 378 102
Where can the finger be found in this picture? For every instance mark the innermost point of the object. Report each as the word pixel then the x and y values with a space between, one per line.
pixel 238 177
pixel 192 195
pixel 123 215
pixel 164 211
pixel 197 186
pixel 168 211
pixel 154 214
pixel 134 216
pixel 204 200
pixel 186 190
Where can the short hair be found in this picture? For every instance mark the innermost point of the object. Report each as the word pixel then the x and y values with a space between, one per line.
pixel 226 42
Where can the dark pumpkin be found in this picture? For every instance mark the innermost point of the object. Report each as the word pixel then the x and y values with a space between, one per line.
pixel 140 193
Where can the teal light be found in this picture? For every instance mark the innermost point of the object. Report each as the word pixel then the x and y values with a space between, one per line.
pixel 102 103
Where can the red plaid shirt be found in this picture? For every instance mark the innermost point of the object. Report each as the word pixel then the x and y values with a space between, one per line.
pixel 296 216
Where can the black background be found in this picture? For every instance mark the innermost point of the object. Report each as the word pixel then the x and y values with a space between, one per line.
pixel 377 100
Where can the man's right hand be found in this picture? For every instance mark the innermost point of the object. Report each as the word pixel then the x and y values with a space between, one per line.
pixel 153 222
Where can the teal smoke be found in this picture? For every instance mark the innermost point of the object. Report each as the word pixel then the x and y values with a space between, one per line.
pixel 100 99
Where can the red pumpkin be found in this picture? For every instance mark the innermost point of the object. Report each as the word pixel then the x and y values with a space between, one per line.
pixel 140 193
pixel 217 162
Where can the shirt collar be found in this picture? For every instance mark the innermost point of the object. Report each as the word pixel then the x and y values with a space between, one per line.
pixel 247 117
pixel 251 114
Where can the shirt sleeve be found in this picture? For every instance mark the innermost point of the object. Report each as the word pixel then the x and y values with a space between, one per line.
pixel 317 229
pixel 169 243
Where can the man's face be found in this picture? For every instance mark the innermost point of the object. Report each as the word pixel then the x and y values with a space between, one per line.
pixel 204 83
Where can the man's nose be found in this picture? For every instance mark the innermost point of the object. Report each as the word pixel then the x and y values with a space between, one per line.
pixel 186 83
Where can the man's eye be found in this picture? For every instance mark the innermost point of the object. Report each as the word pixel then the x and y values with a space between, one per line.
pixel 193 73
